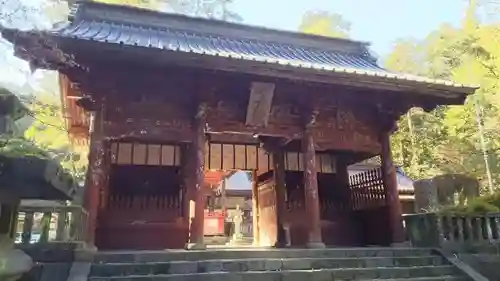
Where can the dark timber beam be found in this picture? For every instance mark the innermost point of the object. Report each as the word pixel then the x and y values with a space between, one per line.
pixel 391 188
pixel 279 189
pixel 311 181
pixel 198 172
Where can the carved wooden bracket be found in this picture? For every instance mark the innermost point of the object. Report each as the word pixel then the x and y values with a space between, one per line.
pixel 87 103
pixel 274 144
pixel 310 118
pixel 201 111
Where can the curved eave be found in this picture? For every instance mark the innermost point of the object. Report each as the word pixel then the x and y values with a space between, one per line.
pixel 41 50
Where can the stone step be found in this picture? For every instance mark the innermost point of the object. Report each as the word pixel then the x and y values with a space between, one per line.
pixel 239 265
pixel 398 273
pixel 248 253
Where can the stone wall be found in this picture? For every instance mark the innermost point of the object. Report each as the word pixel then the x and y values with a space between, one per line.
pixel 53 261
pixel 426 196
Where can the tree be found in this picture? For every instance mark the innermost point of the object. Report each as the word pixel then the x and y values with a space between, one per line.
pixel 325 24
pixel 48 128
pixel 455 139
pixel 216 9
pixel 145 4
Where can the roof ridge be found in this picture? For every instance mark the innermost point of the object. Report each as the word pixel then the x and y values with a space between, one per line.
pixel 90 10
pixel 366 55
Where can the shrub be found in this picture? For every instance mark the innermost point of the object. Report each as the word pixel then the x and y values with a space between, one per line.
pixel 478 206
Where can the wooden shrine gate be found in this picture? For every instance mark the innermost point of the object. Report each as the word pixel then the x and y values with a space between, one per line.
pixel 166 87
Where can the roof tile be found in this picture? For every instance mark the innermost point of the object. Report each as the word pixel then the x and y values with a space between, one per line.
pixel 184 41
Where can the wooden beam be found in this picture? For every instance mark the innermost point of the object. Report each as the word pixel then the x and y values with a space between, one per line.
pixel 311 181
pixel 198 153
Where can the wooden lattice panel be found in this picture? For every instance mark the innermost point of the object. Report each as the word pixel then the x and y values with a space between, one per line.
pixel 145 154
pixel 236 156
pixel 367 190
pixel 325 162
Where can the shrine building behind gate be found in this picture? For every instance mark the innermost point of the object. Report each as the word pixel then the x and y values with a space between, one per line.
pixel 163 98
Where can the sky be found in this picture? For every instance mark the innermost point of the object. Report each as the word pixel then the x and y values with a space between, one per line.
pixel 380 22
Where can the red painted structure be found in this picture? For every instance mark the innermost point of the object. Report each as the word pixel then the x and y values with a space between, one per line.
pixel 175 96
pixel 214 222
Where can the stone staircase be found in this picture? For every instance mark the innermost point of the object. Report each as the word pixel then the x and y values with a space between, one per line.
pixel 485 259
pixel 275 265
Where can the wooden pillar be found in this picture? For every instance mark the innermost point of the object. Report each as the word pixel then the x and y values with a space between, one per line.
pixel 255 209
pixel 279 181
pixel 343 179
pixel 391 189
pixel 198 154
pixel 223 195
pixel 187 170
pixel 96 178
pixel 311 183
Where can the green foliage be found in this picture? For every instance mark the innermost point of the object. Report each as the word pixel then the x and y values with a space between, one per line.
pixel 20 147
pixel 46 137
pixel 145 4
pixel 448 140
pixel 218 9
pixel 48 132
pixel 479 206
pixel 11 106
pixel 325 24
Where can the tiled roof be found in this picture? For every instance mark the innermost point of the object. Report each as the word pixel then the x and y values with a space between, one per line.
pixel 237 48
pixel 135 27
pixel 207 44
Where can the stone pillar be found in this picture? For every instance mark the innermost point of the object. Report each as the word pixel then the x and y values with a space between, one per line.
pixel 9 205
pixel 13 263
pixel 311 184
pixel 198 172
pixel 255 210
pixel 279 185
pixel 426 197
pixel 391 189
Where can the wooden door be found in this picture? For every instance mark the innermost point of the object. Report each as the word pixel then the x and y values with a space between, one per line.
pixel 267 210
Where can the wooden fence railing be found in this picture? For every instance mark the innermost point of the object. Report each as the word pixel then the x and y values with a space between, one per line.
pixel 47 224
pixel 434 230
pixel 367 190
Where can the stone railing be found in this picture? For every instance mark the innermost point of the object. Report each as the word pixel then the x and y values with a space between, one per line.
pixel 50 224
pixel 436 230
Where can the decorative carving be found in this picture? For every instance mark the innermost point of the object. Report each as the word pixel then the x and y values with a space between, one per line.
pixel 201 112
pixel 259 104
pixel 311 118
pixel 87 103
pixel 311 181
pixel 283 113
